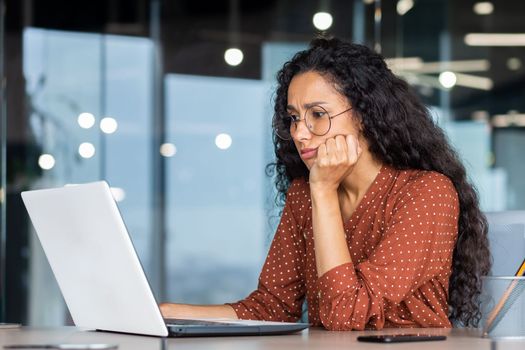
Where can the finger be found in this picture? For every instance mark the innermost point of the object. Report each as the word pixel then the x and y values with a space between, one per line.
pixel 353 146
pixel 321 152
pixel 340 142
pixel 329 149
pixel 341 147
pixel 330 145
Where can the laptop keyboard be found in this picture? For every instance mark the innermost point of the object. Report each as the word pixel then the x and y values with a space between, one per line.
pixel 182 322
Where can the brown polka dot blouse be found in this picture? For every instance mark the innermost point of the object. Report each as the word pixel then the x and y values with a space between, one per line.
pixel 400 237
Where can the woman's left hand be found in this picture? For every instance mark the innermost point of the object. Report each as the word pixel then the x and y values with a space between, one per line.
pixel 335 160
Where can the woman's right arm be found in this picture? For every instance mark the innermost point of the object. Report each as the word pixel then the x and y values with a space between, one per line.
pixel 281 289
pixel 170 310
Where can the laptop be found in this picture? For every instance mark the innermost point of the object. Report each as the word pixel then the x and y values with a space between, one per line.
pixel 99 273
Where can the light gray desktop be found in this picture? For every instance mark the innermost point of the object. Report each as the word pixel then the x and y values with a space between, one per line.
pixel 314 338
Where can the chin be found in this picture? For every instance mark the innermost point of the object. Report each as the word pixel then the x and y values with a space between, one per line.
pixel 308 163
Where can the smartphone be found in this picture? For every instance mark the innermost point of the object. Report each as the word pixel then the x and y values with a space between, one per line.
pixel 399 338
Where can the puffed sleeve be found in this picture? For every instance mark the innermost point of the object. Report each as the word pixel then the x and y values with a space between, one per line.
pixel 281 289
pixel 405 268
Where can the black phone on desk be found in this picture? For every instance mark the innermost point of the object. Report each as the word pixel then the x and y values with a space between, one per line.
pixel 399 338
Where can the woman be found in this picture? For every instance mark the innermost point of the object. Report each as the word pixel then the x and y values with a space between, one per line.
pixel 380 227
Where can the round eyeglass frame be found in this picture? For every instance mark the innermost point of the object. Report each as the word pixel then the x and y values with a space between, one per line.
pixel 278 123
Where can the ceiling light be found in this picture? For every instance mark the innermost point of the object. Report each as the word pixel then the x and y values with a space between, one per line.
pixel 519 119
pixel 495 39
pixel 404 63
pixel 233 56
pixel 46 161
pixel 447 79
pixel 403 6
pixel 322 20
pixel 514 63
pixel 86 150
pixel 86 120
pixel 456 66
pixel 416 65
pixel 168 149
pixel 108 125
pixel 511 118
pixel 500 121
pixel 483 8
pixel 473 81
pixel 223 141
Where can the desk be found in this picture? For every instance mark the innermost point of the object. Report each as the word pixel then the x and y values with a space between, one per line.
pixel 314 338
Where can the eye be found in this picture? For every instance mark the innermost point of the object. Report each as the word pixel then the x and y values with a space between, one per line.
pixel 294 118
pixel 318 113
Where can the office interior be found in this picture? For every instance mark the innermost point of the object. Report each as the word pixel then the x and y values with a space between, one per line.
pixel 170 101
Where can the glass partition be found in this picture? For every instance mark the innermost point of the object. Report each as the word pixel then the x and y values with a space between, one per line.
pixel 89 105
pixel 216 216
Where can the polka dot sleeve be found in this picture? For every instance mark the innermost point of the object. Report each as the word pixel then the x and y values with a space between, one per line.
pixel 401 279
pixel 281 289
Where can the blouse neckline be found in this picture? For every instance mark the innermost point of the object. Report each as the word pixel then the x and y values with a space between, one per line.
pixel 384 174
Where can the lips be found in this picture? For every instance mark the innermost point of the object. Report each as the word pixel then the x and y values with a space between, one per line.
pixel 308 153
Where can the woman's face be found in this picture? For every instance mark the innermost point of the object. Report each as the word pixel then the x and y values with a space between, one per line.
pixel 311 89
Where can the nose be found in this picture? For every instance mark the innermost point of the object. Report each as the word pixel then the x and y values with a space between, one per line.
pixel 302 132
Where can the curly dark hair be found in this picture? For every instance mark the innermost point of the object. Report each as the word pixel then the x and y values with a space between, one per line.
pixel 402 134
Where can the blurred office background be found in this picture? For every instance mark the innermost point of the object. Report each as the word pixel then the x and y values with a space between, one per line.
pixel 170 101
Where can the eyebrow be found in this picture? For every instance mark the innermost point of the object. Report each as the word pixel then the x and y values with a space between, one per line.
pixel 308 105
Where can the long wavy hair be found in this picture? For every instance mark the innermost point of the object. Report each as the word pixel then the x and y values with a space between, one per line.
pixel 401 133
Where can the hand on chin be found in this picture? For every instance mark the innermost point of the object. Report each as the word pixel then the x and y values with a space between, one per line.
pixel 334 160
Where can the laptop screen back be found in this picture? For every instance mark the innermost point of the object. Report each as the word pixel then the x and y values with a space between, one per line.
pixel 93 259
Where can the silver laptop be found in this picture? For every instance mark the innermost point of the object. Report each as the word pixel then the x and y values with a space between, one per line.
pixel 99 273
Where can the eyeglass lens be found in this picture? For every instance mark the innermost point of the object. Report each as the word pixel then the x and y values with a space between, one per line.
pixel 316 118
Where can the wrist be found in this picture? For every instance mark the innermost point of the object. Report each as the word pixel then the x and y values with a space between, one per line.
pixel 322 190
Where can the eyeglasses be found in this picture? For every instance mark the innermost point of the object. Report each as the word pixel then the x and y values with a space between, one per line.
pixel 316 118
